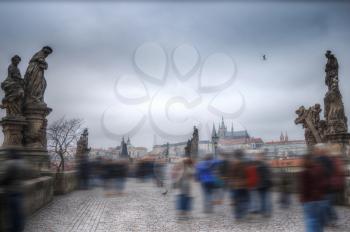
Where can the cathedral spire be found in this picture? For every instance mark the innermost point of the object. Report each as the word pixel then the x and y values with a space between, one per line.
pixel 281 137
pixel 213 131
pixel 222 122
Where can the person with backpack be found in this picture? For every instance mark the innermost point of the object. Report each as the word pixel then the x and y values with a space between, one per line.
pixel 264 185
pixel 330 159
pixel 204 174
pixel 221 174
pixel 312 192
pixel 238 184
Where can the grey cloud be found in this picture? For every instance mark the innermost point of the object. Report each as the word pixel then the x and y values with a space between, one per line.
pixel 94 43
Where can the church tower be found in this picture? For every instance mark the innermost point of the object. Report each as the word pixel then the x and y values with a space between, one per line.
pixel 222 129
pixel 213 131
pixel 281 137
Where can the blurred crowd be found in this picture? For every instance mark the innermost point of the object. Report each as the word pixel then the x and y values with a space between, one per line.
pixel 248 180
pixel 244 181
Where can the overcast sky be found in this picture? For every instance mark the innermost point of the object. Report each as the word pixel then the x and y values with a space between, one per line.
pixel 110 59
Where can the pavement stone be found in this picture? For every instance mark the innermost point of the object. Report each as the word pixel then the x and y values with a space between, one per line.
pixel 144 208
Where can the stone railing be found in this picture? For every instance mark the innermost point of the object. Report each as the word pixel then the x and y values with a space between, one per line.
pixel 64 182
pixel 37 192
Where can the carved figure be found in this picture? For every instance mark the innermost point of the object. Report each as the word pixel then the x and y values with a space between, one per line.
pixel 13 88
pixel 83 144
pixel 35 83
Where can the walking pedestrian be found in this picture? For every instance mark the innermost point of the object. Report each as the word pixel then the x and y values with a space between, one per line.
pixel 238 184
pixel 15 171
pixel 264 185
pixel 183 174
pixel 312 187
pixel 204 174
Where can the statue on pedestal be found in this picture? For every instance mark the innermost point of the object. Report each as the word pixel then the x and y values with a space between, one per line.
pixel 35 109
pixel 188 149
pixel 334 107
pixel 333 128
pixel 24 125
pixel 83 144
pixel 194 143
pixel 191 149
pixel 14 121
pixel 13 87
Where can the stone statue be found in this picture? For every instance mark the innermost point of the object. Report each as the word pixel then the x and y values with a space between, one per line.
pixel 333 128
pixel 310 119
pixel 194 143
pixel 334 108
pixel 83 144
pixel 13 87
pixel 331 70
pixel 35 83
pixel 188 148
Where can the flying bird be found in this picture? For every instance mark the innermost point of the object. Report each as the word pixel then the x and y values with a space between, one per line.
pixel 264 57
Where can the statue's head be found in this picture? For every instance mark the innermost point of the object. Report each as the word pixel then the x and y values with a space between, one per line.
pixel 47 50
pixel 300 111
pixel 328 54
pixel 317 106
pixel 85 132
pixel 15 59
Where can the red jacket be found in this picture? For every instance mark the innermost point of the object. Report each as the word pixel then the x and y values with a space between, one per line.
pixel 252 176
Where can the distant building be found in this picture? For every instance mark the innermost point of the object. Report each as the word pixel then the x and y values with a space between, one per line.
pixel 227 141
pixel 223 133
pixel 103 152
pixel 285 148
pixel 129 151
pixel 233 140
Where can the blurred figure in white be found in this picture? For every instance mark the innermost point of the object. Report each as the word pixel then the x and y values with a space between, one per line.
pixel 182 175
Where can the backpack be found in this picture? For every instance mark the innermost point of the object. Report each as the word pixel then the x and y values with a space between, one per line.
pixel 337 179
pixel 264 176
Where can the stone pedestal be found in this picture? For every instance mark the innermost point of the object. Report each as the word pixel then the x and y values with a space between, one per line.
pixel 12 128
pixel 37 158
pixel 27 135
pixel 340 138
pixel 35 130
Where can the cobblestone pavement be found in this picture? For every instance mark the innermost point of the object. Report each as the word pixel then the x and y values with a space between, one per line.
pixel 144 208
